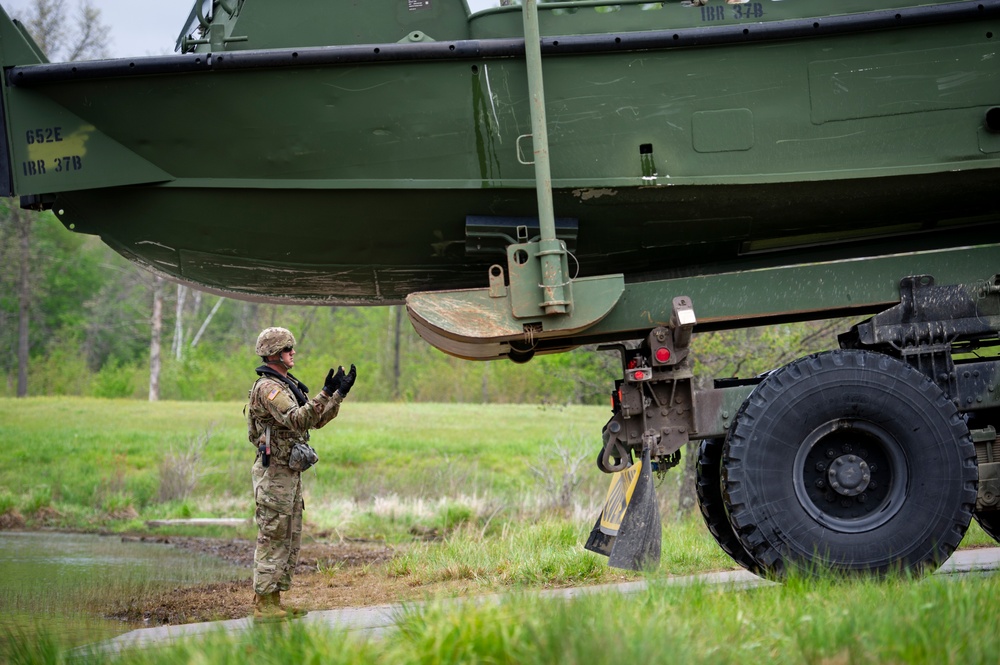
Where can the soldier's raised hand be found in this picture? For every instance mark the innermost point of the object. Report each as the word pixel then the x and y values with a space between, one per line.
pixel 334 382
pixel 348 380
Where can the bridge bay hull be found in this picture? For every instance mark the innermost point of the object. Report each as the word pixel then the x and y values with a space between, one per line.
pixel 316 177
pixel 331 249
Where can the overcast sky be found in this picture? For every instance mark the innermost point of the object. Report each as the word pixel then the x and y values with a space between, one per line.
pixel 138 27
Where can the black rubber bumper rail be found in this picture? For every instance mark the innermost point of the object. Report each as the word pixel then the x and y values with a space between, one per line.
pixel 318 56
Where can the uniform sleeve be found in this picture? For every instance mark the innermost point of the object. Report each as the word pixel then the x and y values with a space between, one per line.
pixel 333 409
pixel 281 406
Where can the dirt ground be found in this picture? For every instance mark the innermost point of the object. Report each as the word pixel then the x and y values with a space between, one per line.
pixel 329 575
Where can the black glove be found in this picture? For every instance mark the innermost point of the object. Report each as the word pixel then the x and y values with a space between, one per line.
pixel 334 382
pixel 348 380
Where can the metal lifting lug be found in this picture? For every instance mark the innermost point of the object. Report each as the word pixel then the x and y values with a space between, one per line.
pixel 682 321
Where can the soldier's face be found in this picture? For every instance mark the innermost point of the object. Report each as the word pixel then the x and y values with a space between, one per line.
pixel 288 356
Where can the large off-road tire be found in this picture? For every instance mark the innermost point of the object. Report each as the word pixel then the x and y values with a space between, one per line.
pixel 708 487
pixel 849 461
pixel 990 522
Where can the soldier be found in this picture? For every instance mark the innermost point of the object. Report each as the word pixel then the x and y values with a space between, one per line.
pixel 280 417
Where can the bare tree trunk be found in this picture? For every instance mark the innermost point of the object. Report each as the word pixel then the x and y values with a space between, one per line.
pixel 208 319
pixel 179 322
pixel 396 366
pixel 196 310
pixel 154 341
pixel 23 223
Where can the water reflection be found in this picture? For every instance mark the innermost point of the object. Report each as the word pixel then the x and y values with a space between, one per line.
pixel 66 584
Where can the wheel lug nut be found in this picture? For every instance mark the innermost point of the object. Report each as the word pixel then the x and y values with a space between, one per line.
pixel 820 466
pixel 862 498
pixel 831 453
pixel 820 484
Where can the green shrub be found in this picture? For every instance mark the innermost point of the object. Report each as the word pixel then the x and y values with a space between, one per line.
pixel 204 375
pixel 115 380
pixel 62 371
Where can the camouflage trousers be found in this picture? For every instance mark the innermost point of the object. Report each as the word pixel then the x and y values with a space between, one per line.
pixel 277 491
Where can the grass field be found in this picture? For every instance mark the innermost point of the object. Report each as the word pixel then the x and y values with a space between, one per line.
pixel 386 471
pixel 494 497
pixel 822 622
pixel 77 462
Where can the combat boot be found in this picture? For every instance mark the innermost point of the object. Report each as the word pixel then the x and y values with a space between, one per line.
pixel 292 612
pixel 266 609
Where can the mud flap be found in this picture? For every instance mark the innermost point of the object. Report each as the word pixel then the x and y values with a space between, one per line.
pixel 598 541
pixel 637 545
pixel 602 536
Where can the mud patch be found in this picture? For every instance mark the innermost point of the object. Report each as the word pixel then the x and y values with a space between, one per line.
pixel 47 516
pixel 313 556
pixel 328 576
pixel 11 520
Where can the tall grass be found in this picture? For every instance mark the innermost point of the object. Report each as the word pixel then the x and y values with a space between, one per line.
pixel 548 552
pixel 824 622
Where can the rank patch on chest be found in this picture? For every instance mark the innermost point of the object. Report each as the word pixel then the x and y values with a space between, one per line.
pixel 274 393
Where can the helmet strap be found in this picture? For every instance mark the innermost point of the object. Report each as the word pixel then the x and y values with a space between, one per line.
pixel 277 361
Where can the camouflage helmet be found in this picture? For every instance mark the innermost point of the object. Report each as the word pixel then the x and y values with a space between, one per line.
pixel 271 341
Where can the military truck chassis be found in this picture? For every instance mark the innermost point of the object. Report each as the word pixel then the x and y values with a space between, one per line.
pixel 869 458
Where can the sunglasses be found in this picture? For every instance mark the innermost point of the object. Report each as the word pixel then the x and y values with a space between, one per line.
pixel 287 349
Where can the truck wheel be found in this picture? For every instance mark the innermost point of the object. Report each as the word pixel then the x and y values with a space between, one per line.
pixel 990 522
pixel 708 487
pixel 849 461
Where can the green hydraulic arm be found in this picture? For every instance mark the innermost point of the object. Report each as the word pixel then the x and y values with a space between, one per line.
pixel 487 323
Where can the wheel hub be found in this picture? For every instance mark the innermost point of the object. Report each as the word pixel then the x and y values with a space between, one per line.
pixel 849 475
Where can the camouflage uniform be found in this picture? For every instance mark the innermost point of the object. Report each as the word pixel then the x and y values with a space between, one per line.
pixel 277 489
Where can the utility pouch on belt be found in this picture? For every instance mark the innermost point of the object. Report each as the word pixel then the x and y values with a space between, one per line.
pixel 302 456
pixel 264 449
